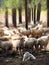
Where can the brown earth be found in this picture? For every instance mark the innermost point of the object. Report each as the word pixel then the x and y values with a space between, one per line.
pixel 41 59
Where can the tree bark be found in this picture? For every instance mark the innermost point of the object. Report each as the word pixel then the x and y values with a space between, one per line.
pixel 29 14
pixel 38 11
pixel 6 17
pixel 47 13
pixel 14 17
pixel 26 14
pixel 29 11
pixel 34 14
pixel 20 15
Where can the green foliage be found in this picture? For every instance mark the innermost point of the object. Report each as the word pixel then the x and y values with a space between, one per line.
pixel 6 4
pixel 13 3
pixel 1 3
pixel 43 3
pixel 20 3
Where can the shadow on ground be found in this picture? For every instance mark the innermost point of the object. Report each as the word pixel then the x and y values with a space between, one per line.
pixel 41 59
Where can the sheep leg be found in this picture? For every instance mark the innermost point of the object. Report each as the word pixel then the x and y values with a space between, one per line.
pixel 36 47
pixel 19 51
pixel 33 48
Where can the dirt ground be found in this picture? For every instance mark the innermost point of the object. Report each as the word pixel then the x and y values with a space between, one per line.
pixel 41 59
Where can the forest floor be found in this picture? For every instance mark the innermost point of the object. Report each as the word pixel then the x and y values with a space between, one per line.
pixel 41 59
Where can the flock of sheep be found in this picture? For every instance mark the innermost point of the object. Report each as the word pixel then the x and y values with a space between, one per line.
pixel 21 40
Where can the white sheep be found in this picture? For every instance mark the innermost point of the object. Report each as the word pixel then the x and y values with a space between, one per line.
pixel 18 44
pixel 43 41
pixel 30 44
pixel 28 56
pixel 6 46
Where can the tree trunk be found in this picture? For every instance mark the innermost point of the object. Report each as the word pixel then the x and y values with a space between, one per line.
pixel 47 13
pixel 6 17
pixel 29 14
pixel 34 14
pixel 14 17
pixel 29 11
pixel 38 11
pixel 20 15
pixel 26 14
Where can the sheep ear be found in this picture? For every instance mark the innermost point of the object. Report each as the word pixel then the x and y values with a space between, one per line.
pixel 21 38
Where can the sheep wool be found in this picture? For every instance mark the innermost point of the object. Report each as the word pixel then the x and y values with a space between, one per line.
pixel 28 56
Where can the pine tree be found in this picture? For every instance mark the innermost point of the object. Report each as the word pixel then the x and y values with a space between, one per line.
pixel 14 17
pixel 38 11
pixel 20 14
pixel 34 14
pixel 48 13
pixel 26 14
pixel 6 17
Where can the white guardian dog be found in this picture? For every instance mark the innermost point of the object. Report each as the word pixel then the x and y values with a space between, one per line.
pixel 28 56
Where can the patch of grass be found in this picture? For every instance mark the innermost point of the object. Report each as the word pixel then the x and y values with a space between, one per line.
pixel 43 12
pixel 2 11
